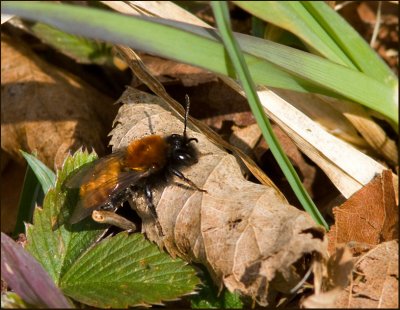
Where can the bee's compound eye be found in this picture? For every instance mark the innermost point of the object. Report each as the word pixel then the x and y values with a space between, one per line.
pixel 183 157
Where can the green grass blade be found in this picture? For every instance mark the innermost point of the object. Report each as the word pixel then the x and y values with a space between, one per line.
pixel 170 39
pixel 370 92
pixel 325 32
pixel 31 193
pixel 355 47
pixel 287 67
pixel 38 180
pixel 45 176
pixel 293 17
pixel 221 14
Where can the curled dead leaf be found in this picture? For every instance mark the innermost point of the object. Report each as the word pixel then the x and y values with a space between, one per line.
pixel 375 281
pixel 332 280
pixel 47 110
pixel 370 216
pixel 247 235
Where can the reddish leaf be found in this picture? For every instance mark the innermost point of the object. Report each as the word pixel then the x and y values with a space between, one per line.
pixel 28 278
pixel 369 216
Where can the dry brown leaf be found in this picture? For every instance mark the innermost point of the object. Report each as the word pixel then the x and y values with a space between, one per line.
pixel 375 281
pixel 4 160
pixel 306 171
pixel 370 216
pixel 339 268
pixel 167 70
pixel 245 138
pixel 245 233
pixel 332 280
pixel 12 179
pixel 140 70
pixel 46 110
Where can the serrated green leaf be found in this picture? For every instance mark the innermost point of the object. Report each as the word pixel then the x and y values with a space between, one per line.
pixel 117 272
pixel 127 270
pixel 51 240
pixel 45 176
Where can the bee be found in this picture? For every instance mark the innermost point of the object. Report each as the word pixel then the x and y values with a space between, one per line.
pixel 107 182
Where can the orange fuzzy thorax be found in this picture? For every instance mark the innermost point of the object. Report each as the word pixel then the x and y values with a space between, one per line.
pixel 147 153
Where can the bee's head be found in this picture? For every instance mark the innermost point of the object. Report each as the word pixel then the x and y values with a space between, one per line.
pixel 182 151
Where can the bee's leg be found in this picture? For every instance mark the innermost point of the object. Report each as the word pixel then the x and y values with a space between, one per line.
pixel 109 206
pixel 148 194
pixel 185 179
pixel 118 199
pixel 129 191
pixel 106 214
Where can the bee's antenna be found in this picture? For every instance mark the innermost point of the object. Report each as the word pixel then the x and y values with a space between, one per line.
pixel 186 114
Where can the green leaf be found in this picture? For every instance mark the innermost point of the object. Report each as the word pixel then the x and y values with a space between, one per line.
pixel 78 48
pixel 210 298
pixel 38 180
pixel 117 272
pixel 324 31
pixel 45 176
pixel 352 44
pixel 52 241
pixel 31 194
pixel 10 300
pixel 127 270
pixel 269 63
pixel 370 92
pixel 293 17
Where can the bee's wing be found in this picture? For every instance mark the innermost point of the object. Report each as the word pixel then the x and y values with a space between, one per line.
pixel 111 187
pixel 86 172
